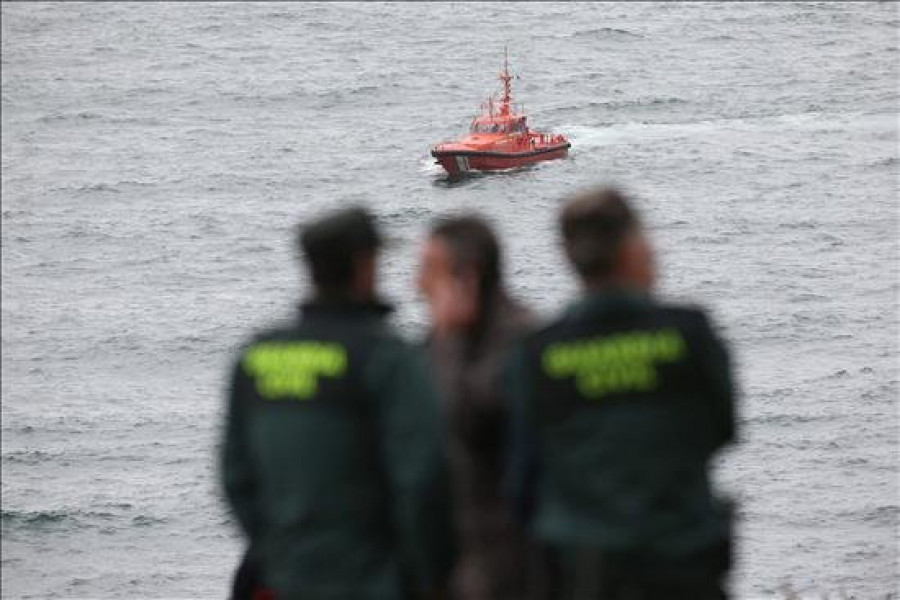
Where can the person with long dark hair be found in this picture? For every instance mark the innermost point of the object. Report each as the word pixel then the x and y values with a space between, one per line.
pixel 473 324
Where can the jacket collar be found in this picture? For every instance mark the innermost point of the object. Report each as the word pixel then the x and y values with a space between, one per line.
pixel 344 306
pixel 609 300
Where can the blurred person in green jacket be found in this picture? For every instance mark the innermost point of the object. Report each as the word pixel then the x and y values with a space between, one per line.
pixel 620 404
pixel 333 458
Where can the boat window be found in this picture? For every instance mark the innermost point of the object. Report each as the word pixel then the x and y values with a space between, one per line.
pixel 488 128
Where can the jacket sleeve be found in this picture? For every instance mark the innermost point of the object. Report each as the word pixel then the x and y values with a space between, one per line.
pixel 715 364
pixel 238 474
pixel 411 444
pixel 521 473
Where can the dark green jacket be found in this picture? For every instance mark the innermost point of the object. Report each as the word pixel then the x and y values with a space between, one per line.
pixel 333 458
pixel 621 402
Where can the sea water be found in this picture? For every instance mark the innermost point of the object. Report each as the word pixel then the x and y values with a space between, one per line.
pixel 157 156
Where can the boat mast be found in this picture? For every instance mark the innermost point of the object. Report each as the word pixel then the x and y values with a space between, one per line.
pixel 505 77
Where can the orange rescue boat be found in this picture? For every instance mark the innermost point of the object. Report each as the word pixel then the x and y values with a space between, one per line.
pixel 499 139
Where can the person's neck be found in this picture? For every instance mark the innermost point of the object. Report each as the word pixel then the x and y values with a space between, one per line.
pixel 342 296
pixel 609 285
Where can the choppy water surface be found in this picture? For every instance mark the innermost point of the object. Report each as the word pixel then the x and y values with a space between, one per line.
pixel 156 156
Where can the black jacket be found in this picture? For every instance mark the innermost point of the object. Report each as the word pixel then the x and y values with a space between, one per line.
pixel 621 402
pixel 334 461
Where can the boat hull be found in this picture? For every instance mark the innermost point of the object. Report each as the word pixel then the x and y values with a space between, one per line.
pixel 459 161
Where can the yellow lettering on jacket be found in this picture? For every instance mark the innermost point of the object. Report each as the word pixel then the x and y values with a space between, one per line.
pixel 293 369
pixel 618 363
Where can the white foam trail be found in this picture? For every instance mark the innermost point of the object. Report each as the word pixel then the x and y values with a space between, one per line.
pixel 627 133
pixel 637 133
pixel 429 166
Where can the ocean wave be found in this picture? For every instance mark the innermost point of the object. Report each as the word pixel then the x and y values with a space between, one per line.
pixel 784 420
pixel 280 15
pixel 258 249
pixel 30 457
pixel 364 89
pixel 887 515
pixel 829 239
pixel 890 161
pixel 606 32
pixel 807 297
pixel 883 393
pixel 147 521
pixel 676 224
pixel 90 188
pixel 802 224
pixel 207 28
pixel 617 104
pixel 405 215
pixel 718 38
pixel 712 240
pixel 32 519
pixel 130 120
pixel 57 117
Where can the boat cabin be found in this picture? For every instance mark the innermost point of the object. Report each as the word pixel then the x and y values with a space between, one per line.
pixel 511 124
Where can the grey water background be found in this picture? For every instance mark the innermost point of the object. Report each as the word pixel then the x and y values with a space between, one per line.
pixel 157 155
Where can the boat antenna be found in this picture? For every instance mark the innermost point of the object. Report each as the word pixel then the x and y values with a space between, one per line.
pixel 505 77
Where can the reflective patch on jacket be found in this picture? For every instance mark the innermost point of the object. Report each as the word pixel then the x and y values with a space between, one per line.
pixel 292 369
pixel 617 363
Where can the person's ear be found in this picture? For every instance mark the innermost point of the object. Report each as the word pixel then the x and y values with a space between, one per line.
pixel 635 262
pixel 364 274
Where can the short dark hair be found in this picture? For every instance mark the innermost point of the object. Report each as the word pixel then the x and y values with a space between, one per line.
pixel 331 244
pixel 472 242
pixel 594 224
